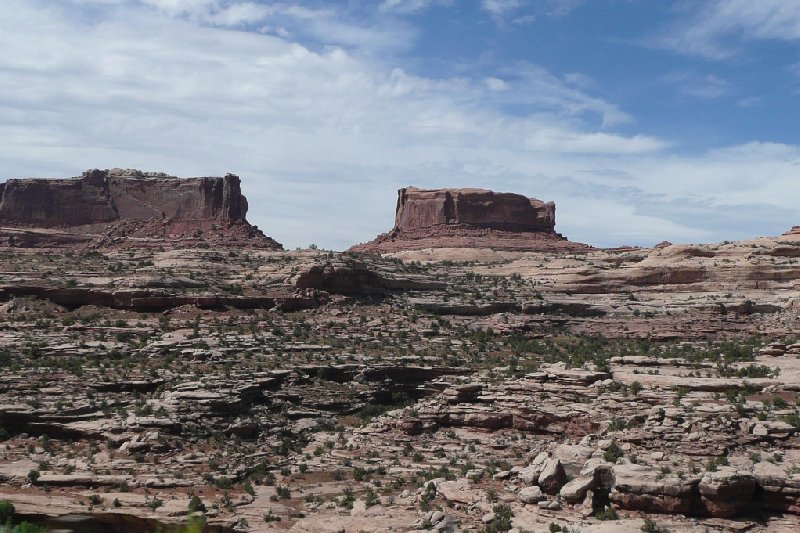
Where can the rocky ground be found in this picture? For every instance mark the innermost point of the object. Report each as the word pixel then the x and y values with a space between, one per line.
pixel 447 390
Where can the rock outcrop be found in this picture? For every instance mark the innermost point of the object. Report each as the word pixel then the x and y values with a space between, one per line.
pixel 470 218
pixel 421 208
pixel 105 207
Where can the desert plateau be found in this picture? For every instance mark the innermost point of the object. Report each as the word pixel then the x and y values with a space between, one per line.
pixel 165 365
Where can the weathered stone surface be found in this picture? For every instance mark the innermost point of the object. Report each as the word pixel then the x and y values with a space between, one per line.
pixel 780 491
pixel 727 491
pixel 794 231
pixel 639 487
pixel 470 218
pixel 463 393
pixel 531 495
pixel 130 380
pixel 576 489
pixel 530 474
pixel 100 196
pixel 553 476
pixel 423 208
pixel 119 203
pixel 351 277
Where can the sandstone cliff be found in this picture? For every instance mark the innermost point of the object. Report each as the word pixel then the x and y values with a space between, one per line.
pixel 470 218
pixel 107 207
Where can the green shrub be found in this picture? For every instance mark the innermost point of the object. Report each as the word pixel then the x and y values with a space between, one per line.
pixel 651 527
pixel 609 513
pixel 7 511
pixel 27 527
pixel 613 453
pixel 196 505
pixel 502 519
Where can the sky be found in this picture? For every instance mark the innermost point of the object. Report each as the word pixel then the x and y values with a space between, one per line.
pixel 644 121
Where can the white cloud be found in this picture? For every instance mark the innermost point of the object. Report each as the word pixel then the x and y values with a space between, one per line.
pixel 591 143
pixel 499 10
pixel 714 29
pixel 538 87
pixel 750 101
pixel 323 26
pixel 588 220
pixel 693 85
pixel 495 84
pixel 323 136
pixel 411 6
pixel 502 11
pixel 501 7
pixel 194 8
pixel 562 8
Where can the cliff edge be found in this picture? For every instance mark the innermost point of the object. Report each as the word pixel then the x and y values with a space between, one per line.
pixel 125 207
pixel 470 218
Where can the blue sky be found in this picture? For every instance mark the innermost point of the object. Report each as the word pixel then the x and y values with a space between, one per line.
pixel 642 120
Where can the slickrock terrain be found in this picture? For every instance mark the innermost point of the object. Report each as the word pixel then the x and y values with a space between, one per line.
pixel 226 389
pixel 106 208
pixel 470 218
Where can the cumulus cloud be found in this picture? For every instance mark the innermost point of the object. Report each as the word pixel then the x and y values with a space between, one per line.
pixel 324 134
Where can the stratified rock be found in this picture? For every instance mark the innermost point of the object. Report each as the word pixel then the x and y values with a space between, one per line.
pixel 423 208
pixel 350 277
pixel 104 206
pixel 463 393
pixel 640 488
pixel 470 218
pixel 780 491
pixel 726 492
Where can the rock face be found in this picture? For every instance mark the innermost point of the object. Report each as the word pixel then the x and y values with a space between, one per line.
pixel 421 208
pixel 121 203
pixel 469 218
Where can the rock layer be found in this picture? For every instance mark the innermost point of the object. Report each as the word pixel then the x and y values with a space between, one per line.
pixel 423 208
pixel 470 218
pixel 108 205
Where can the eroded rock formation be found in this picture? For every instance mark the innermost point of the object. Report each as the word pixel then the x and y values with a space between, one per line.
pixel 470 218
pixel 106 207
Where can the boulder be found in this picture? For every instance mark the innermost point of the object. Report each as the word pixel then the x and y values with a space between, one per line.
pixel 553 476
pixel 531 495
pixel 573 456
pixel 576 490
pixel 530 474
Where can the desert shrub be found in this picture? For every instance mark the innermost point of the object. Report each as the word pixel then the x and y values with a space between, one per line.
pixel 613 453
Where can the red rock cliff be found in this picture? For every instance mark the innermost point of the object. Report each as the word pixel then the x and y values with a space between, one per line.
pixel 101 196
pixel 469 218
pixel 424 208
pixel 131 203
